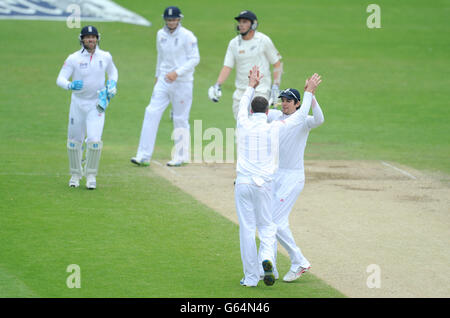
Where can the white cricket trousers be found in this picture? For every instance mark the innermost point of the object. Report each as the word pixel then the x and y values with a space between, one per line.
pixel 253 207
pixel 288 184
pixel 180 95
pixel 85 121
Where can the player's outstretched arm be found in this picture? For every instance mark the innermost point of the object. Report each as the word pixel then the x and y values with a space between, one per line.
pixel 254 79
pixel 317 118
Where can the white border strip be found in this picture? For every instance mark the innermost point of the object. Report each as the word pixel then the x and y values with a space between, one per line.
pixel 399 170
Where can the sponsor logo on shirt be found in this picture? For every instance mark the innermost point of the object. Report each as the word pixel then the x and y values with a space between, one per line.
pixel 241 51
pixel 83 66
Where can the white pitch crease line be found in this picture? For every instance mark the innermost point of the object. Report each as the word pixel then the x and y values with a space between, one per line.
pixel 171 171
pixel 399 170
pixel 161 165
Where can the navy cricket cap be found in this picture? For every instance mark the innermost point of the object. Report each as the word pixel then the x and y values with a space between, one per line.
pixel 246 15
pixel 87 30
pixel 172 13
pixel 290 93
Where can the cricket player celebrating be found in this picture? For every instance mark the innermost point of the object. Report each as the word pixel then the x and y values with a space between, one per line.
pixel 89 100
pixel 249 48
pixel 257 162
pixel 177 57
pixel 290 177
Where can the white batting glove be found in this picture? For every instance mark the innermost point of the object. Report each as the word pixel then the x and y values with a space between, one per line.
pixel 275 92
pixel 214 93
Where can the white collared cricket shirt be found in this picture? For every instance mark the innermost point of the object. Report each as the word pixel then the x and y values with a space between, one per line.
pixel 258 140
pixel 91 69
pixel 244 54
pixel 177 51
pixel 293 142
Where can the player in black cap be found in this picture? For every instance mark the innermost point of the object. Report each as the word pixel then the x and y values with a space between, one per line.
pixel 249 48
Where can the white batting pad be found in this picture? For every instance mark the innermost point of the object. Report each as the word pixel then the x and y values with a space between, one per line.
pixel 75 151
pixel 93 152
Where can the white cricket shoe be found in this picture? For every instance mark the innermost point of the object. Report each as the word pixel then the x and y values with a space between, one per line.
pixel 74 181
pixel 91 183
pixel 244 284
pixel 140 162
pixel 175 163
pixel 291 275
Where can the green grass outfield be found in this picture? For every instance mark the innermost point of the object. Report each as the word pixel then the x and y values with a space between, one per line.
pixel 385 96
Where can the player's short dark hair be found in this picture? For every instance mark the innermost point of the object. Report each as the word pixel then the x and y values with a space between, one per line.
pixel 259 104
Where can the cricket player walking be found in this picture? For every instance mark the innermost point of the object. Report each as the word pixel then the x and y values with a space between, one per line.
pixel 257 162
pixel 250 47
pixel 89 100
pixel 290 177
pixel 178 56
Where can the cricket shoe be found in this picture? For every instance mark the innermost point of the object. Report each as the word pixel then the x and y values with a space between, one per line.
pixel 175 163
pixel 269 277
pixel 140 162
pixel 245 285
pixel 91 183
pixel 74 181
pixel 261 277
pixel 293 275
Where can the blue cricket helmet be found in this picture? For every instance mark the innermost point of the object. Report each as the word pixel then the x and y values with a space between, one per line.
pixel 172 13
pixel 88 30
pixel 291 93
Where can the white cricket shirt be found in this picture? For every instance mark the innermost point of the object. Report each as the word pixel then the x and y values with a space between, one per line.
pixel 90 68
pixel 293 142
pixel 177 51
pixel 258 140
pixel 244 54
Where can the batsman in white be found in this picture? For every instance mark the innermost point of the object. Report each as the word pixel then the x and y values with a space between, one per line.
pixel 177 57
pixel 89 100
pixel 290 177
pixel 250 47
pixel 257 162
